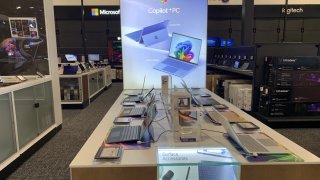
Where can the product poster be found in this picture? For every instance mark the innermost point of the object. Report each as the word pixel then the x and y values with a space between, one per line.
pixel 23 27
pixel 164 37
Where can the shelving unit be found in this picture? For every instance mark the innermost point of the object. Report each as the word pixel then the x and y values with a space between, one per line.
pixel 80 89
pixel 231 70
pixel 280 49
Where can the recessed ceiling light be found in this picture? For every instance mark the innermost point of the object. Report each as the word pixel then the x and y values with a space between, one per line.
pixel 31 7
pixel 119 38
pixel 18 7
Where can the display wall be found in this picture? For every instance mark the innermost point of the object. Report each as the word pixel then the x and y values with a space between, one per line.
pixel 153 31
pixel 23 46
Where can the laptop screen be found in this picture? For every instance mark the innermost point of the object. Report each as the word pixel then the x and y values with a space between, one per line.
pixel 93 57
pixel 71 57
pixel 185 48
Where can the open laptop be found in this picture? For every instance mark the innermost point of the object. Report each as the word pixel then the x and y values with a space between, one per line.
pixel 256 143
pixel 140 93
pixel 198 100
pixel 133 133
pixel 151 34
pixel 183 55
pixel 138 99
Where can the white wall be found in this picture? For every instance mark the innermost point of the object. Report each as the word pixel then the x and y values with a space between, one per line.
pixel 211 2
pixel 85 2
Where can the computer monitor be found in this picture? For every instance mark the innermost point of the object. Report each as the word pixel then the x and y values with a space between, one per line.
pixel 230 42
pixel 93 57
pixel 71 57
pixel 213 42
pixel 223 42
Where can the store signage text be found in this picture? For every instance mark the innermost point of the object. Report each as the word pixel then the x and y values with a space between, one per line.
pixel 292 10
pixel 100 12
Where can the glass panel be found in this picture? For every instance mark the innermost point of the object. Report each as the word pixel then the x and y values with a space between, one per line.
pixel 26 115
pixel 7 137
pixel 93 83
pixel 101 80
pixel 23 45
pixel 70 89
pixel 45 110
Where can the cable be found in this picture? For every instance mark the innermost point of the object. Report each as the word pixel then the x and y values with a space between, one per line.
pixel 160 119
pixel 140 142
pixel 213 131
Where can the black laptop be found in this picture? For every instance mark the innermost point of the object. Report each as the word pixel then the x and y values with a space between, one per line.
pixel 132 133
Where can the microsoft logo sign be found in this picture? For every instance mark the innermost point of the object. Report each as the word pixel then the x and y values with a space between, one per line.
pixel 94 12
pixel 100 12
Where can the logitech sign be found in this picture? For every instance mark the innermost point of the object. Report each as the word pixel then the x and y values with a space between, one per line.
pixel 292 10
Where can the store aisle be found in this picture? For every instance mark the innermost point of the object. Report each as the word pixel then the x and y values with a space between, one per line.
pixel 53 159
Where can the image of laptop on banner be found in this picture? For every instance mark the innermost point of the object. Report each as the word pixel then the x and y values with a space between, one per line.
pixel 256 143
pixel 183 56
pixel 151 34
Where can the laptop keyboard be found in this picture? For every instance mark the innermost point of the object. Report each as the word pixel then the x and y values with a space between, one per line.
pixel 132 99
pixel 178 63
pixel 130 133
pixel 137 111
pixel 251 144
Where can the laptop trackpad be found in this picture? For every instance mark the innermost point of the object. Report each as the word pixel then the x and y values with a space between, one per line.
pixel 170 69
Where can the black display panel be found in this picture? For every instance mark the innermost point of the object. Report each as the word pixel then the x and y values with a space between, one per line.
pixel 23 46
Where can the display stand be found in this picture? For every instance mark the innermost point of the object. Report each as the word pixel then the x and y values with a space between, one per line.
pixel 31 110
pixel 143 164
pixel 79 90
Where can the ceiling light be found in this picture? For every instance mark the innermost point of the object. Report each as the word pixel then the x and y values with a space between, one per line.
pixel 18 7
pixel 31 7
pixel 119 38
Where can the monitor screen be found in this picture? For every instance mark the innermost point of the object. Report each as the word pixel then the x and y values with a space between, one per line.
pixel 185 48
pixel 230 42
pixel 213 42
pixel 94 57
pixel 71 57
pixel 223 42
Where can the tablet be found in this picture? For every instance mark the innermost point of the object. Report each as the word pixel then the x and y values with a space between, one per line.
pixel 110 152
pixel 247 126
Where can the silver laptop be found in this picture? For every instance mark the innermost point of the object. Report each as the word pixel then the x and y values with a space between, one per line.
pixel 140 93
pixel 183 57
pixel 256 143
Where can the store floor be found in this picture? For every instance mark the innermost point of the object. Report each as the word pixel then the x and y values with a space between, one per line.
pixel 53 159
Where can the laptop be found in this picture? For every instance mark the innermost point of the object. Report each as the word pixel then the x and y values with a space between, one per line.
pixel 151 34
pixel 138 99
pixel 133 133
pixel 183 55
pixel 256 143
pixel 198 100
pixel 133 112
pixel 137 94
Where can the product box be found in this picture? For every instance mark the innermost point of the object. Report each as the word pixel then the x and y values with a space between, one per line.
pixel 289 109
pixel 302 63
pixel 276 78
pixel 291 94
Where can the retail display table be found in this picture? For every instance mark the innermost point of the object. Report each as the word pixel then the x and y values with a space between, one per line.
pixel 142 164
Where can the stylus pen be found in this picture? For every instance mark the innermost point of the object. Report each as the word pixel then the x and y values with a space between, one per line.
pixel 188 173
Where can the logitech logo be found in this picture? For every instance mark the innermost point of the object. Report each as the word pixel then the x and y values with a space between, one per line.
pixel 164 1
pixel 99 12
pixel 292 10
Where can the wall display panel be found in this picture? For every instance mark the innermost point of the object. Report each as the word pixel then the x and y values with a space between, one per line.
pixel 23 46
pixel 158 36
